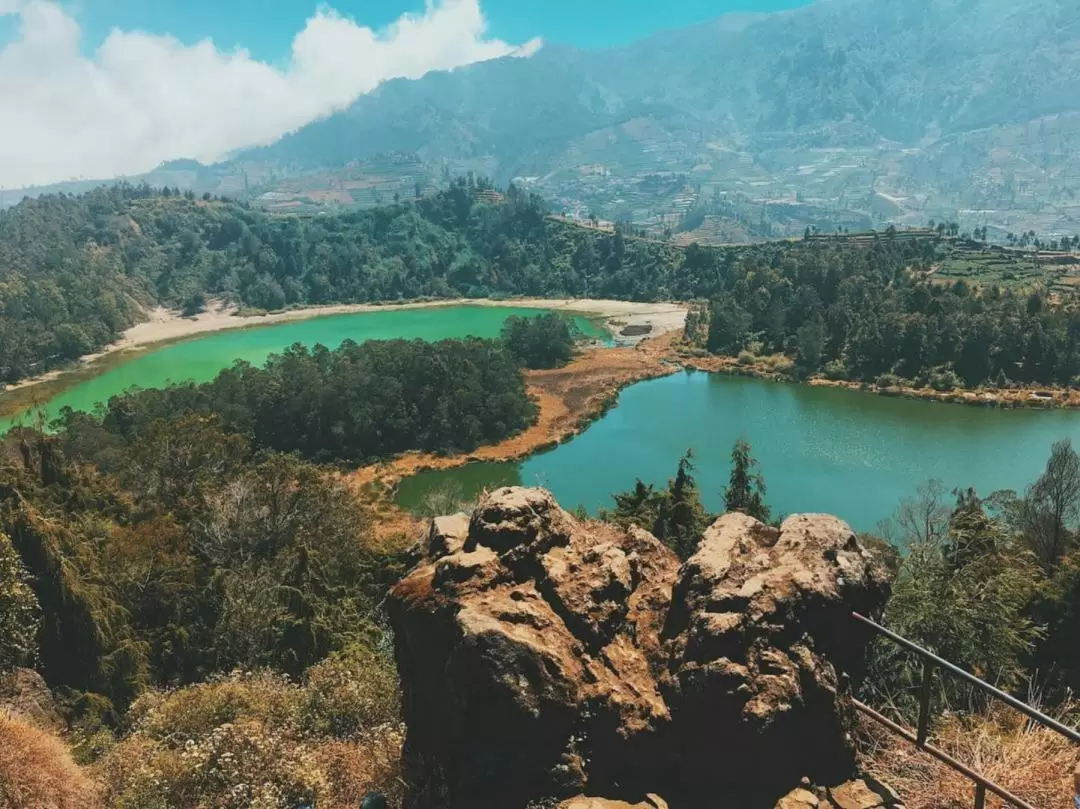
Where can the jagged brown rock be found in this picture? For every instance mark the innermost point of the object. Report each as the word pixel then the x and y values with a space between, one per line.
pixel 582 802
pixel 761 644
pixel 545 657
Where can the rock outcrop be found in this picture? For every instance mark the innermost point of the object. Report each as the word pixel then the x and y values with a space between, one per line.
pixel 23 693
pixel 545 657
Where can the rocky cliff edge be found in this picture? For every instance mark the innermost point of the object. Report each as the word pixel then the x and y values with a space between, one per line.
pixel 543 658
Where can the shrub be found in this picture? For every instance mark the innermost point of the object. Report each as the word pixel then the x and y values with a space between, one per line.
pixel 351 693
pixel 245 765
pixel 19 611
pixel 887 381
pixel 944 379
pixel 197 710
pixel 260 740
pixel 747 358
pixel 836 370
pixel 36 770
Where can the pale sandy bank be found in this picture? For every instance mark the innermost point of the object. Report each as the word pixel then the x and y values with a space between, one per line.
pixel 165 325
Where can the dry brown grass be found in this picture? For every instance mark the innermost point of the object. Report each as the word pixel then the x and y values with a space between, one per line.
pixel 36 770
pixel 371 764
pixel 1033 763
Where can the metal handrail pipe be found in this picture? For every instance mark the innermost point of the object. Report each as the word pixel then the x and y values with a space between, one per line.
pixel 1044 720
pixel 942 756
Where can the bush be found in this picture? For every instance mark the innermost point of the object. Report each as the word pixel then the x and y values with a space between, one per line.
pixel 747 358
pixel 351 693
pixel 261 740
pixel 235 766
pixel 19 612
pixel 888 381
pixel 1033 763
pixel 36 770
pixel 836 370
pixel 944 379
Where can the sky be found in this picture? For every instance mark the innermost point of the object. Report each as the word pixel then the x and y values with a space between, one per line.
pixel 102 88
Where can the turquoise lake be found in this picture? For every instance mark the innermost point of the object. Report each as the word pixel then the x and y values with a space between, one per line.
pixel 856 455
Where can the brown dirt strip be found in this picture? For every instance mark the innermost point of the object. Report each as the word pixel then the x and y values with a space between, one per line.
pixel 569 399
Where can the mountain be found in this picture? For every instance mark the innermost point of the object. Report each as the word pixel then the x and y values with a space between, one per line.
pixel 844 113
pixel 897 109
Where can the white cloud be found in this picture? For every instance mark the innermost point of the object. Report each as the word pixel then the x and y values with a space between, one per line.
pixel 141 99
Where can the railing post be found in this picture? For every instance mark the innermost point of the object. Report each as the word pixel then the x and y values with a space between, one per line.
pixel 980 796
pixel 924 702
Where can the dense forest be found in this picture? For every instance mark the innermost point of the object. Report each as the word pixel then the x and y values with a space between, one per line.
pixel 862 314
pixel 195 560
pixel 74 271
pixel 353 403
pixel 180 539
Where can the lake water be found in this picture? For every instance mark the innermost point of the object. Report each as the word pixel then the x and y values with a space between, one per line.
pixel 201 358
pixel 852 454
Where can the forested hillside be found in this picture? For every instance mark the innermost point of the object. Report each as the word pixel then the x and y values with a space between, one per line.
pixel 921 108
pixel 77 270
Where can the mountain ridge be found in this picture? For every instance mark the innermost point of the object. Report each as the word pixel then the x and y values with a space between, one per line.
pixel 870 110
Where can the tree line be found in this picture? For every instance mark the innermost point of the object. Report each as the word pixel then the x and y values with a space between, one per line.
pixel 354 403
pixel 991 583
pixel 869 315
pixel 177 532
pixel 75 271
pixel 173 536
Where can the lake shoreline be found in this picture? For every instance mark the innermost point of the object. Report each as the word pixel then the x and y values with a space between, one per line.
pixel 561 418
pixel 1040 398
pixel 568 399
pixel 167 327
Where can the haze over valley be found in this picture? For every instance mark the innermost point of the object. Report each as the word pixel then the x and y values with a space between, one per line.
pixel 845 113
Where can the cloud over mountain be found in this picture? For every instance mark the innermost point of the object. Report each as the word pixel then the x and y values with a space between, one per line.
pixel 140 98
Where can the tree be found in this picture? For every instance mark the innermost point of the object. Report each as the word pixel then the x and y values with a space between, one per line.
pixel 1046 517
pixel 729 327
pixel 811 342
pixel 674 515
pixel 682 518
pixel 963 594
pixel 19 612
pixel 544 341
pixel 925 517
pixel 746 489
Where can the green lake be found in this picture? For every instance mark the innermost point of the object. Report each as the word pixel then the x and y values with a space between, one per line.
pixel 201 358
pixel 856 455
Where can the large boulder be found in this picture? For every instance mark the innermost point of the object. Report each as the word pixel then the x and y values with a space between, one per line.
pixel 762 645
pixel 546 657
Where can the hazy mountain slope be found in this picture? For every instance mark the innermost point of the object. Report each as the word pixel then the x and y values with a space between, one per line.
pixel 926 99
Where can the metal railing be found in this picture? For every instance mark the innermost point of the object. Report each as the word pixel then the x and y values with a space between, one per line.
pixel 932 662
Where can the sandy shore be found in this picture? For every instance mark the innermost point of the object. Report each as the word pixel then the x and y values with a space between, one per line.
pixel 165 325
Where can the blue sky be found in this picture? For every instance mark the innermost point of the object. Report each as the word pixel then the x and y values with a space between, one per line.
pixel 266 27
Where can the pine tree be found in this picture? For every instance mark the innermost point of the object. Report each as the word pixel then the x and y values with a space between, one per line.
pixel 682 519
pixel 746 487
